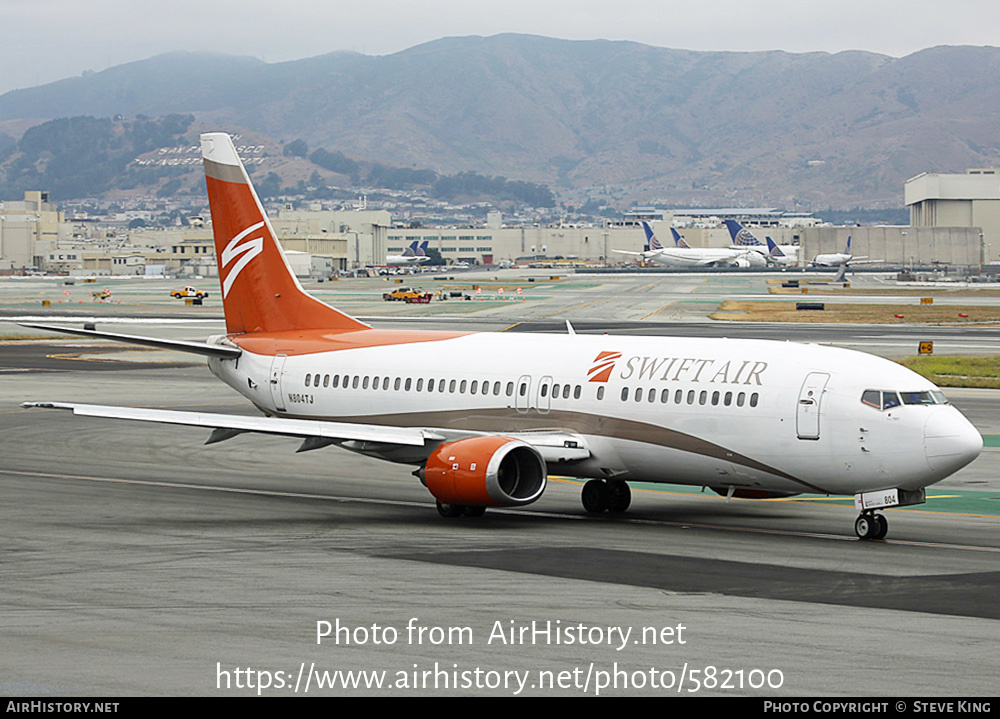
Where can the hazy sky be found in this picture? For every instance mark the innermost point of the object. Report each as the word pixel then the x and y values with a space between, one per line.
pixel 46 40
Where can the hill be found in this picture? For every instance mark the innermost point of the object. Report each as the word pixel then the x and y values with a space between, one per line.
pixel 598 117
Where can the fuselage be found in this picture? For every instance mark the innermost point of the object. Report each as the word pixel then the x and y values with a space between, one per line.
pixel 701 257
pixel 751 414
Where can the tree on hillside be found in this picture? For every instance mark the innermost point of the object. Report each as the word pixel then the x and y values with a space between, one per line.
pixel 296 148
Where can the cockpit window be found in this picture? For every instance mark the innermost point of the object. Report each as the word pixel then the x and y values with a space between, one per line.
pixel 887 399
pixel 872 398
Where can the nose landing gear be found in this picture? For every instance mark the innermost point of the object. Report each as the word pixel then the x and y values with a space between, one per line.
pixel 870 525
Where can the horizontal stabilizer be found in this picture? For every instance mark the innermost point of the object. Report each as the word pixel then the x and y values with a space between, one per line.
pixel 198 348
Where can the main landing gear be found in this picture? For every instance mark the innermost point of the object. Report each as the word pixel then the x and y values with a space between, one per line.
pixel 460 510
pixel 606 495
pixel 870 525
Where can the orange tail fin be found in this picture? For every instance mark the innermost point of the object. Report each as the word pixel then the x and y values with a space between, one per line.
pixel 259 291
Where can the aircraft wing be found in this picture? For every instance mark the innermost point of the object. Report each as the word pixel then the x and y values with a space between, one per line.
pixel 401 444
pixel 626 252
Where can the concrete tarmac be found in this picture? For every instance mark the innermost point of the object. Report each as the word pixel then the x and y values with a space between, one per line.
pixel 140 562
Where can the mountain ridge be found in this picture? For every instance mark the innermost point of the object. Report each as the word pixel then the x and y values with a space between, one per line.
pixel 591 116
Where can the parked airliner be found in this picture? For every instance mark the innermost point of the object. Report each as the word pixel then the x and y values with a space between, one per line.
pixel 484 418
pixel 412 255
pixel 836 259
pixel 683 255
pixel 741 237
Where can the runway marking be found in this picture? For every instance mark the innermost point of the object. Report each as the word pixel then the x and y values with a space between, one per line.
pixel 847 502
pixel 656 312
pixel 498 510
pixel 576 307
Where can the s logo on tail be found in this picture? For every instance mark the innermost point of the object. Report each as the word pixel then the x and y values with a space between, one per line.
pixel 249 249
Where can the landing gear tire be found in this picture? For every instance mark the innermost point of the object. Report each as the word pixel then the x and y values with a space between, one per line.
pixel 883 526
pixel 871 526
pixel 620 496
pixel 595 496
pixel 450 510
pixel 600 496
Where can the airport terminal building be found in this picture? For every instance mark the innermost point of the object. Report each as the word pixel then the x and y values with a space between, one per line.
pixel 955 222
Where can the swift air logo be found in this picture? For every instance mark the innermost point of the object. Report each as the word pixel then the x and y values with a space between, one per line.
pixel 249 249
pixel 604 363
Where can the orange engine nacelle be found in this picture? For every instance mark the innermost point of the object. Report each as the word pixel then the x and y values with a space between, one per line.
pixel 485 472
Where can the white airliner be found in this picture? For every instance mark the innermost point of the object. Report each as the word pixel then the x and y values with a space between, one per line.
pixel 412 255
pixel 743 238
pixel 484 418
pixel 684 255
pixel 836 259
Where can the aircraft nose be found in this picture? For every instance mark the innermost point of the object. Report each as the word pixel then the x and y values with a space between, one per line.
pixel 950 441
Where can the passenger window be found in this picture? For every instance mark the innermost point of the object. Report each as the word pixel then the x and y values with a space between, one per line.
pixel 430 385
pixel 336 381
pixel 600 392
pixel 395 385
pixel 308 377
pixel 753 400
pixel 441 385
pixel 475 386
pixel 451 386
pixel 420 384
pixel 462 386
pixel 638 394
pixel 741 398
pixel 577 391
pixel 496 388
pixel 715 398
pixel 690 396
pixel 729 398
pixel 407 385
pixel 624 393
pixel 651 395
pixel 356 382
pixel 364 382
pixel 326 380
pixel 703 397
pixel 555 391
pixel 545 390
pixel 678 396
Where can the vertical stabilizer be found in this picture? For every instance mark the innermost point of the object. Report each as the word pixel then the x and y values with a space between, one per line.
pixel 679 241
pixel 654 244
pixel 740 235
pixel 259 291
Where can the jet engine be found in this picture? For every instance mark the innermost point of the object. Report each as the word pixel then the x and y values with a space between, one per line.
pixel 485 472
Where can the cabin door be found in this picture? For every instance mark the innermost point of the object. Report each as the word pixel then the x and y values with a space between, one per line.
pixel 277 369
pixel 810 399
